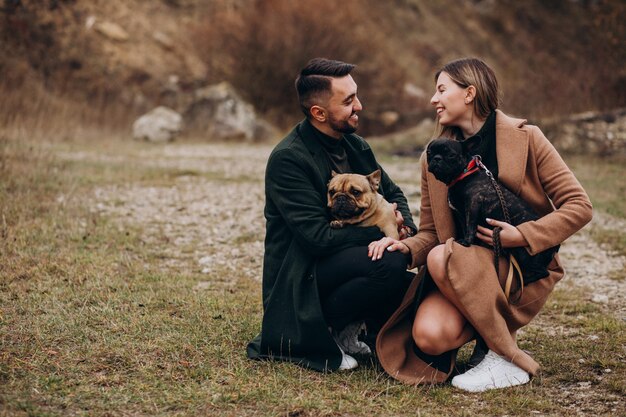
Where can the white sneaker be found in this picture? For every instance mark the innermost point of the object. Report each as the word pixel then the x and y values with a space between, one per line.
pixel 348 339
pixel 493 372
pixel 347 362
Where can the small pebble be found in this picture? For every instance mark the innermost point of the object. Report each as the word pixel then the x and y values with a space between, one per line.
pixel 600 299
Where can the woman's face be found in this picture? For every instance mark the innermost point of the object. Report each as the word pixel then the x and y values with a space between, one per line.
pixel 450 102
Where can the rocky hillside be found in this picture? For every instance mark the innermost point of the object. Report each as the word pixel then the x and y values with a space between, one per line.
pixel 122 58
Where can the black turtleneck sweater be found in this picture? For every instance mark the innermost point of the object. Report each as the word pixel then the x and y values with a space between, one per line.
pixel 486 147
pixel 334 148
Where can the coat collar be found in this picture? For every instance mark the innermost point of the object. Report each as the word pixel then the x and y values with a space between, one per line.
pixel 354 148
pixel 512 153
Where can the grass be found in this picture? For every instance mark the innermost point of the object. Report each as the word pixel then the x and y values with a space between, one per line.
pixel 92 324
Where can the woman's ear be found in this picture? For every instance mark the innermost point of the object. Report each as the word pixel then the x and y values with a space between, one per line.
pixel 470 93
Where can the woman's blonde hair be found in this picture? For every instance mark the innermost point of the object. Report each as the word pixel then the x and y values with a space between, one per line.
pixel 471 71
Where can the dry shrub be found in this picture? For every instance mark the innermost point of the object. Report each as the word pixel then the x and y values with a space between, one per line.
pixel 565 57
pixel 260 48
pixel 46 90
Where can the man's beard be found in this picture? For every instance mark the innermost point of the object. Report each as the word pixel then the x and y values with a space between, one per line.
pixel 342 126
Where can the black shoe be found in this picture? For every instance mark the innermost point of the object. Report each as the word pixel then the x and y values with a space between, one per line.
pixel 480 350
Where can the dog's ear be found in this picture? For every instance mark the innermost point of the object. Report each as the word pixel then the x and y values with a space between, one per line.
pixel 333 173
pixel 374 179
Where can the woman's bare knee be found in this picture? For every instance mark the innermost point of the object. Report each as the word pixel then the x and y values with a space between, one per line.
pixel 429 339
pixel 438 325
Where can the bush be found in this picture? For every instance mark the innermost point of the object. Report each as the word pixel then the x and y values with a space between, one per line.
pixel 261 48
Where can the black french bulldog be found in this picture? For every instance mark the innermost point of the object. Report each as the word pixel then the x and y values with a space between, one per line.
pixel 474 198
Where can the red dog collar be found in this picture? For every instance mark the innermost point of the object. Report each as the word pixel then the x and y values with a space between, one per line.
pixel 472 167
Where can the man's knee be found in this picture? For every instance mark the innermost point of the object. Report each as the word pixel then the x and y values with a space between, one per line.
pixel 391 268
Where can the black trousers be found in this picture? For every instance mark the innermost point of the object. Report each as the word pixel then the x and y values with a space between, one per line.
pixel 352 287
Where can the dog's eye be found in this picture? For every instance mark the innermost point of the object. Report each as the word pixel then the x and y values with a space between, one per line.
pixel 355 192
pixel 331 192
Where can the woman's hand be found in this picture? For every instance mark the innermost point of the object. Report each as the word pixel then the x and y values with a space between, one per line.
pixel 510 236
pixel 376 249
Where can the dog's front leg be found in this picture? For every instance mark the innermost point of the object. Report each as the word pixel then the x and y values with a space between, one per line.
pixel 472 213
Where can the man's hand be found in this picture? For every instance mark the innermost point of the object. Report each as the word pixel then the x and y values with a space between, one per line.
pixel 399 217
pixel 403 231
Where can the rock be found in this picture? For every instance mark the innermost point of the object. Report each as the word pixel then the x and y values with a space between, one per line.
pixel 414 91
pixel 90 21
pixel 202 285
pixel 220 113
pixel 600 299
pixel 112 31
pixel 598 133
pixel 389 118
pixel 196 67
pixel 159 125
pixel 205 260
pixel 163 40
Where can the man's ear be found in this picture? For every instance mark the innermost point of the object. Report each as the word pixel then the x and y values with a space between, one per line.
pixel 318 113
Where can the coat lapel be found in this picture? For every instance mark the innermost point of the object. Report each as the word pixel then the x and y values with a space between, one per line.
pixel 511 151
pixel 442 214
pixel 306 131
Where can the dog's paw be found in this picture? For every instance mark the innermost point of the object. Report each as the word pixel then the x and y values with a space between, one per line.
pixel 336 224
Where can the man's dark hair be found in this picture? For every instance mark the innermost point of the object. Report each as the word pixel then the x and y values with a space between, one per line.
pixel 314 81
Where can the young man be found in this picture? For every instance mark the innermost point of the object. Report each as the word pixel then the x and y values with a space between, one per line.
pixel 319 285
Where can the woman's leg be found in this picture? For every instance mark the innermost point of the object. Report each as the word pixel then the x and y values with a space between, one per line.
pixel 437 270
pixel 439 326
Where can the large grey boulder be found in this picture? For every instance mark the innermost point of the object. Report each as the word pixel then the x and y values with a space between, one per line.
pixel 159 125
pixel 220 113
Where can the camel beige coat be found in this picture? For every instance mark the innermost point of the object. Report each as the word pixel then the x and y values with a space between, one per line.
pixel 531 168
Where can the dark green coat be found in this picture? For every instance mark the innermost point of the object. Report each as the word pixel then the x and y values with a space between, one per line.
pixel 297 233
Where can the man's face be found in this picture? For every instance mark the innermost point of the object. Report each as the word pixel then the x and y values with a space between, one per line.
pixel 343 106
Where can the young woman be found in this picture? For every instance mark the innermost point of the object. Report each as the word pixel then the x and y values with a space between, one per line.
pixel 458 296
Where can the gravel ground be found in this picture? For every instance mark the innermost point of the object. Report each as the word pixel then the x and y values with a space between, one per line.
pixel 213 217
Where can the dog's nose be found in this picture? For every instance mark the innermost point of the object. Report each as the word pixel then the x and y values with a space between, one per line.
pixel 341 199
pixel 436 158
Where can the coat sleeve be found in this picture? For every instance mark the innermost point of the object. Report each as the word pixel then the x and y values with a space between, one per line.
pixel 290 186
pixel 572 205
pixel 426 237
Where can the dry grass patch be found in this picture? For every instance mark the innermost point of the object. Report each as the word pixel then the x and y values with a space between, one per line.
pixel 95 319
